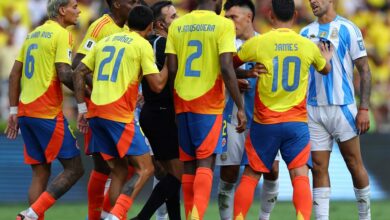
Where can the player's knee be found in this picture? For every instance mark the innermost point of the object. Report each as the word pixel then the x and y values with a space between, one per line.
pixel 354 165
pixel 319 169
pixel 230 173
pixel 274 174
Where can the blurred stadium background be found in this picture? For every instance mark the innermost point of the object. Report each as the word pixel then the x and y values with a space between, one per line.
pixel 18 17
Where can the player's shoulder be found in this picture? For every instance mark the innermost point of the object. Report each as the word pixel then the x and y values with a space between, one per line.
pixel 349 25
pixel 306 29
pixel 98 25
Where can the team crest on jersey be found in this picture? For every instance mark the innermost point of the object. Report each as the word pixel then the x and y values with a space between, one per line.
pixel 323 34
pixel 334 33
pixel 361 45
pixel 89 44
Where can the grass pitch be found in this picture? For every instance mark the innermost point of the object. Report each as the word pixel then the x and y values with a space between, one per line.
pixel 283 211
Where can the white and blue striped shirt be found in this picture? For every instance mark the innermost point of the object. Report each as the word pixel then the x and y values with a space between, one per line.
pixel 336 88
pixel 230 111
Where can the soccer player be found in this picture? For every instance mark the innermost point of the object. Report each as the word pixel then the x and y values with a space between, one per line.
pixel 333 115
pixel 117 62
pixel 36 107
pixel 280 117
pixel 108 24
pixel 199 45
pixel 242 12
pixel 157 120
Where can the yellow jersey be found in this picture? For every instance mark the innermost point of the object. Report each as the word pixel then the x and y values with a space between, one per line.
pixel 99 29
pixel 118 63
pixel 287 56
pixel 41 94
pixel 198 38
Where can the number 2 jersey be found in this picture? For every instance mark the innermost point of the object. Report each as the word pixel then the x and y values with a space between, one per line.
pixel 41 94
pixel 287 56
pixel 198 38
pixel 118 63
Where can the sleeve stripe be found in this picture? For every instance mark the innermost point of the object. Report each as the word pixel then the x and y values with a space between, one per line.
pixel 70 39
pixel 99 26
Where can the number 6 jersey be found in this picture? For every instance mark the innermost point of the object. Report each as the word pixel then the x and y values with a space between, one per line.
pixel 198 38
pixel 281 93
pixel 41 94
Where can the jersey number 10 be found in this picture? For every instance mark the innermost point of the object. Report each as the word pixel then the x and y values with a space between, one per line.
pixel 104 77
pixel 285 73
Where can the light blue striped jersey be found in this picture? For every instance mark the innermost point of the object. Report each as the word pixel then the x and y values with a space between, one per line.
pixel 336 88
pixel 230 112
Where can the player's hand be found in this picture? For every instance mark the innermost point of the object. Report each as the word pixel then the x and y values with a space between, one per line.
pixel 362 121
pixel 243 85
pixel 12 127
pixel 326 49
pixel 241 121
pixel 82 123
pixel 257 69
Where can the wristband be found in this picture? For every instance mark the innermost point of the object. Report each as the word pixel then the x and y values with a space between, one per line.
pixel 82 107
pixel 13 110
pixel 363 109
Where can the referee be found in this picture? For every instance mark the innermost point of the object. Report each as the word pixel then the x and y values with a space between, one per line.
pixel 157 120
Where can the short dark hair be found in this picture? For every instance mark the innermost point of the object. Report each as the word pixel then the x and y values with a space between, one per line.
pixel 283 9
pixel 140 18
pixel 156 8
pixel 109 3
pixel 240 3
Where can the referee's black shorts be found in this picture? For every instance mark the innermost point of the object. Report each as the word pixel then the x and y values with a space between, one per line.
pixel 159 126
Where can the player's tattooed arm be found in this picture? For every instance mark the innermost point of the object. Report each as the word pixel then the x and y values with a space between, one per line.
pixel 365 81
pixel 76 61
pixel 79 76
pixel 65 74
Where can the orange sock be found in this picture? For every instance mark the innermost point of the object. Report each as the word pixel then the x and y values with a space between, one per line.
pixel 122 205
pixel 43 203
pixel 202 189
pixel 96 184
pixel 42 217
pixel 302 197
pixel 187 184
pixel 243 197
pixel 130 172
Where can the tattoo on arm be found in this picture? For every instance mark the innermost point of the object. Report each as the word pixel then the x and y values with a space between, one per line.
pixel 65 74
pixel 365 81
pixel 79 81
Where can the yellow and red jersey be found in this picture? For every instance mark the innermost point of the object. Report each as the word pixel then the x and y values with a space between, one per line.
pixel 41 94
pixel 118 62
pixel 281 93
pixel 198 38
pixel 99 29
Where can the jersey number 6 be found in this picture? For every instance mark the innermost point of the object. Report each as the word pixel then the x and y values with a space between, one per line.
pixel 197 54
pixel 111 50
pixel 30 61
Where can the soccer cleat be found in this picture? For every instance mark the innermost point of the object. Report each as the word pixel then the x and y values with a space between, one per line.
pixel 23 216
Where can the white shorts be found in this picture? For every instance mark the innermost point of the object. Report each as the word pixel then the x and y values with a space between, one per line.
pixel 235 148
pixel 331 123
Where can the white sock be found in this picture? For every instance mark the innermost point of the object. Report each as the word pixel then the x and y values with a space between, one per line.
pixel 104 214
pixel 161 213
pixel 321 197
pixel 225 199
pixel 268 196
pixel 363 202
pixel 31 213
pixel 111 217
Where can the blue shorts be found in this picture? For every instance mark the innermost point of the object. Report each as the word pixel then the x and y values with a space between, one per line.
pixel 47 139
pixel 116 140
pixel 200 135
pixel 264 141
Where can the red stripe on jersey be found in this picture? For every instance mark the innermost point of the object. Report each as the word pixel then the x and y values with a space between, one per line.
pixel 99 26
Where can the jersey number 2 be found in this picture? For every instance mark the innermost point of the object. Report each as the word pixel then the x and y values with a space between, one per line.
pixel 114 76
pixel 197 54
pixel 285 73
pixel 30 61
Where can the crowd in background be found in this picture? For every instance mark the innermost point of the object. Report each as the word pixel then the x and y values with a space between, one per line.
pixel 18 17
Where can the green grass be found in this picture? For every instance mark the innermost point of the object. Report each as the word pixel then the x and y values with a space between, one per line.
pixel 283 211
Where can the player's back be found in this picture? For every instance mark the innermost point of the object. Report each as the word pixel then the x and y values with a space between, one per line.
pixel 41 94
pixel 281 93
pixel 198 39
pixel 118 61
pixel 99 29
